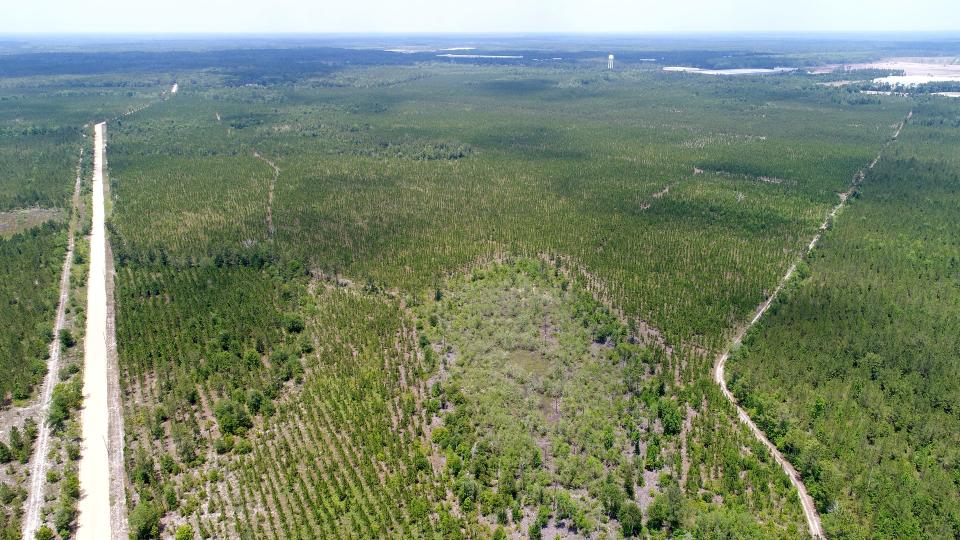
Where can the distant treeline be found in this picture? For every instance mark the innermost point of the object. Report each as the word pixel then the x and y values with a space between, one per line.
pixel 279 65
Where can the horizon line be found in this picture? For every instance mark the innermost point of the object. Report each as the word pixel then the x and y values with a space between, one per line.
pixel 637 33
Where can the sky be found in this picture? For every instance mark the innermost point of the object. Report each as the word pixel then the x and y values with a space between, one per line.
pixel 498 16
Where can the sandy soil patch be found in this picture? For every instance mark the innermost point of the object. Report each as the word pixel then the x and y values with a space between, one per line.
pixel 833 84
pixel 738 71
pixel 16 221
pixel 916 70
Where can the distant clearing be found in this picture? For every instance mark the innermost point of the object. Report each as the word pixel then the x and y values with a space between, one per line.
pixel 737 71
pixel 16 221
pixel 916 70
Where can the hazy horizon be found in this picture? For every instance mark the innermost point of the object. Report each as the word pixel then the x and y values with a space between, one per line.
pixel 221 17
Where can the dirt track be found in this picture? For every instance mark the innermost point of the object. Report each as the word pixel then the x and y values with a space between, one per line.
pixel 809 509
pixel 39 463
pixel 273 184
pixel 94 507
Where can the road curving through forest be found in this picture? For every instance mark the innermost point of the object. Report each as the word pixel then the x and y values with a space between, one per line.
pixel 806 501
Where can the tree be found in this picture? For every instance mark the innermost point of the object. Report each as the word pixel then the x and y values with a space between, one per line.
pixel 293 323
pixel 184 440
pixel 566 508
pixel 631 519
pixel 44 533
pixel 726 524
pixel 667 509
pixel 145 521
pixel 67 339
pixel 611 496
pixel 16 440
pixel 232 417
pixel 671 417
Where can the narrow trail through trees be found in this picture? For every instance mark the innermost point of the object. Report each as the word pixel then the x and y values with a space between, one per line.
pixel 39 462
pixel 273 184
pixel 809 508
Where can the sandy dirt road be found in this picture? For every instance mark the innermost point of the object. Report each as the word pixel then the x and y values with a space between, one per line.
pixel 94 508
pixel 809 509
pixel 39 463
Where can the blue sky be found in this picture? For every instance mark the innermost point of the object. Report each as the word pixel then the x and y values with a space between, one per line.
pixel 401 16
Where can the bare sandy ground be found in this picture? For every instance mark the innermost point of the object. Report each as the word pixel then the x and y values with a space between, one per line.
pixel 94 507
pixel 735 71
pixel 39 463
pixel 838 83
pixel 916 70
pixel 22 219
pixel 809 509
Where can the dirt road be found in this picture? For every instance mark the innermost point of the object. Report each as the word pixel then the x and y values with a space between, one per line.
pixel 809 509
pixel 94 507
pixel 273 184
pixel 39 463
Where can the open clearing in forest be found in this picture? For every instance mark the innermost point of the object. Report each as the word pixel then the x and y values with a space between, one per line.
pixel 16 221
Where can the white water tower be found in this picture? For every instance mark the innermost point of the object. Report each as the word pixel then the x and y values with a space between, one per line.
pixel 610 62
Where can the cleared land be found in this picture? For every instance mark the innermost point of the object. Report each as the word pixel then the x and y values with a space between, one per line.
pixel 16 221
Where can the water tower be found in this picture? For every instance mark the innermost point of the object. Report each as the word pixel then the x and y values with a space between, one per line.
pixel 610 62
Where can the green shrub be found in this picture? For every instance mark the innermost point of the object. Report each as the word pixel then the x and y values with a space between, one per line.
pixel 144 521
pixel 184 532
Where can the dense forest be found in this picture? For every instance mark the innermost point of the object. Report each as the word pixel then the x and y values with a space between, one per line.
pixel 245 216
pixel 855 374
pixel 41 134
pixel 370 294
pixel 31 263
